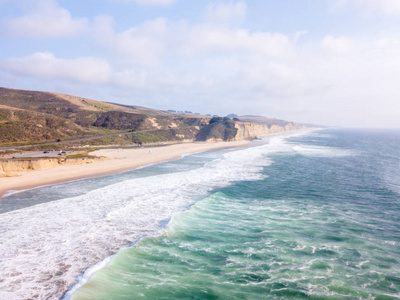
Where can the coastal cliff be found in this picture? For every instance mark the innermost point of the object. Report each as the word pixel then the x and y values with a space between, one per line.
pixel 222 129
pixel 35 164
pixel 47 119
pixel 251 130
pixel 226 129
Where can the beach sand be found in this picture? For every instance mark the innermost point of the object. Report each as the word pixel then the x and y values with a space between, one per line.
pixel 117 160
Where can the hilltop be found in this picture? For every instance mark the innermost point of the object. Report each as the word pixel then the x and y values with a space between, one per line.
pixel 34 117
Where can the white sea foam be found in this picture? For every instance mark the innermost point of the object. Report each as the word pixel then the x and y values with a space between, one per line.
pixel 45 247
pixel 11 192
pixel 86 276
pixel 320 151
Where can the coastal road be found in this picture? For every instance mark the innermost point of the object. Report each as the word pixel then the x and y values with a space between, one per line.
pixel 76 140
pixel 69 141
pixel 36 154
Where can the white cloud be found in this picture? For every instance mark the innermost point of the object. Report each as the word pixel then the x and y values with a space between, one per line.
pixel 45 65
pixel 218 66
pixel 386 6
pixel 299 34
pixel 149 43
pixel 336 80
pixel 141 45
pixel 226 13
pixel 44 19
pixel 356 87
pixel 181 60
pixel 206 38
pixel 339 45
pixel 390 7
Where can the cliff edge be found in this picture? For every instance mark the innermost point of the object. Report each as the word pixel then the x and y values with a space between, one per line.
pixel 251 130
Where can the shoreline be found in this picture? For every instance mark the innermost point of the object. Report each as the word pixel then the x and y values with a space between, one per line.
pixel 116 161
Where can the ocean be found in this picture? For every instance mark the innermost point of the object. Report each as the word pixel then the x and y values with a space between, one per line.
pixel 312 214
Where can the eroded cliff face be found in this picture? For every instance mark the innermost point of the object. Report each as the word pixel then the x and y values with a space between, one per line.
pixel 245 131
pixel 8 166
pixel 251 130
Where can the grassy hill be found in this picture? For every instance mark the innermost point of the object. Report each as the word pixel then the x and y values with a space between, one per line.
pixel 218 129
pixel 26 126
pixel 35 118
pixel 32 117
pixel 263 120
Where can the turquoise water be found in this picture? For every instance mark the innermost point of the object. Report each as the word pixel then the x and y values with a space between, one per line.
pixel 317 216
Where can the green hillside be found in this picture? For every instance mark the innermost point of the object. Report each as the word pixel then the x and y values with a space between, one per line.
pixel 26 126
pixel 32 117
pixel 40 118
pixel 218 129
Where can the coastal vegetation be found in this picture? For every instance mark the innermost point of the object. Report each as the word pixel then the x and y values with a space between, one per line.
pixel 218 129
pixel 46 120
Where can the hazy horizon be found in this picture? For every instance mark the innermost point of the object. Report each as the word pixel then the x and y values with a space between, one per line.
pixel 325 62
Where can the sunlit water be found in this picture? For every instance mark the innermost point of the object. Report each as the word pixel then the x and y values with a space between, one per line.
pixel 304 215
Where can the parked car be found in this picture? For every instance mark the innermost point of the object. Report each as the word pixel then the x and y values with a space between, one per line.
pixel 45 151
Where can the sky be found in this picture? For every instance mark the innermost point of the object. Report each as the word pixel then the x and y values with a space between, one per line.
pixel 326 62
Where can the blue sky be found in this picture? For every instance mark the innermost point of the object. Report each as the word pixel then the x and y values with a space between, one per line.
pixel 331 62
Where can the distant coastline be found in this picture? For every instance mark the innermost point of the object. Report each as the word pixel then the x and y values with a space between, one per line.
pixel 49 123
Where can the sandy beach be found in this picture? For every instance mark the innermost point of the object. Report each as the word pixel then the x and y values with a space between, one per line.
pixel 116 160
